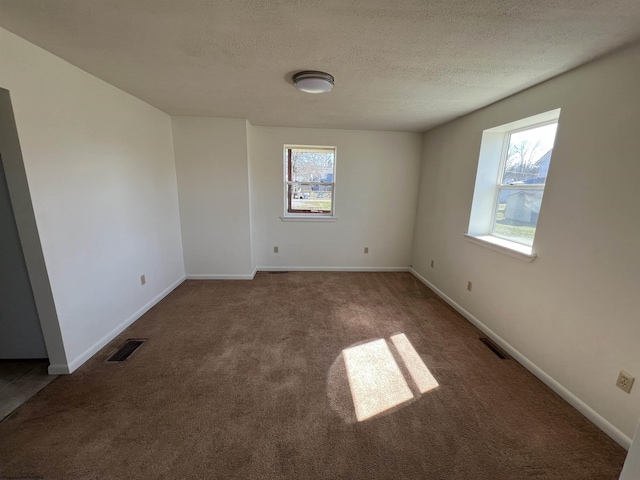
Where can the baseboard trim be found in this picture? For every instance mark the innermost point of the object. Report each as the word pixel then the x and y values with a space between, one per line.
pixel 333 269
pixel 251 276
pixel 62 369
pixel 599 421
pixel 224 276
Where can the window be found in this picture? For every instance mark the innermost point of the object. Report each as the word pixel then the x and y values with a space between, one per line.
pixel 309 181
pixel 512 173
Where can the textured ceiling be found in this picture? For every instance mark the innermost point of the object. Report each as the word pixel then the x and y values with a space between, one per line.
pixel 399 65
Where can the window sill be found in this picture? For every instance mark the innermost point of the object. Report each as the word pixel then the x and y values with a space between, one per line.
pixel 515 250
pixel 308 218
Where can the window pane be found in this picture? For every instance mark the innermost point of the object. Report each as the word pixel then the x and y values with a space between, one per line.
pixel 312 166
pixel 517 214
pixel 311 198
pixel 529 155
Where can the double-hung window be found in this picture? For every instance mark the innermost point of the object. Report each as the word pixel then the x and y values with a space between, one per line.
pixel 512 173
pixel 309 181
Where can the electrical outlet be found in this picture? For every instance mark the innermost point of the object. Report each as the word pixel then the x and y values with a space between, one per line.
pixel 143 279
pixel 366 249
pixel 469 285
pixel 625 381
pixel 432 263
pixel 275 249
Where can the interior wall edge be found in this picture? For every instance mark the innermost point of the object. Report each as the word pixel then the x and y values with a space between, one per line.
pixel 22 206
pixel 631 468
pixel 598 420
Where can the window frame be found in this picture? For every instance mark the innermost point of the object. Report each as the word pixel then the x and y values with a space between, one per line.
pixel 290 213
pixel 500 185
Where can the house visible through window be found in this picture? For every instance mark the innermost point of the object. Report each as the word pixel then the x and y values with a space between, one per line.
pixel 309 180
pixel 512 173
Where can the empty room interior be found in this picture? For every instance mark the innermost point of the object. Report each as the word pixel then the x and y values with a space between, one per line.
pixel 319 239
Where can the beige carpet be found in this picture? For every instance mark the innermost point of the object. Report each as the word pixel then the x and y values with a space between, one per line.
pixel 248 380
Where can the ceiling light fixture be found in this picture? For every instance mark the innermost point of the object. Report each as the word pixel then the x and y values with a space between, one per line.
pixel 311 81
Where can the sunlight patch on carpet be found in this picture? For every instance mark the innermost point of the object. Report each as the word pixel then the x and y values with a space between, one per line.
pixel 375 380
pixel 419 372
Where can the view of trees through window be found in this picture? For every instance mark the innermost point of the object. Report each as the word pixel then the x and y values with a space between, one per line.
pixel 522 180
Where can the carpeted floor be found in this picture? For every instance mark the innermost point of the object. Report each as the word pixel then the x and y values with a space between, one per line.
pixel 247 380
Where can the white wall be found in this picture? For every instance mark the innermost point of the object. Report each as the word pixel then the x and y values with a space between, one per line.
pixel 375 200
pixel 213 181
pixel 101 174
pixel 573 312
pixel 230 179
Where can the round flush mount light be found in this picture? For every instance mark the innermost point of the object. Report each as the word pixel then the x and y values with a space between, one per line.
pixel 313 82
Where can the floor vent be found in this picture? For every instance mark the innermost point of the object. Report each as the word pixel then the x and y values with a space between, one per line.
pixel 276 273
pixel 495 348
pixel 125 350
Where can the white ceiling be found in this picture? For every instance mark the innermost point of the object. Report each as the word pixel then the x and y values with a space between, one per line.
pixel 399 65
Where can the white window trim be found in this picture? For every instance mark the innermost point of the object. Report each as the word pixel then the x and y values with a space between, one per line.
pixel 488 183
pixel 498 244
pixel 310 217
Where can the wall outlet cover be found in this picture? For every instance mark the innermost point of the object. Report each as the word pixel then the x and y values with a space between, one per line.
pixel 625 381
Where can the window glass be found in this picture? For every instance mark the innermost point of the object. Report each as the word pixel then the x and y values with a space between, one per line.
pixel 528 155
pixel 525 166
pixel 516 214
pixel 313 198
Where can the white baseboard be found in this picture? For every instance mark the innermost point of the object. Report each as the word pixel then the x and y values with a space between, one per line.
pixel 603 424
pixel 223 276
pixel 333 269
pixel 250 276
pixel 62 369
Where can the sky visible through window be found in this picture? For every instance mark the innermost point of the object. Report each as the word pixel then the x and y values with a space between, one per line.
pixel 545 134
pixel 524 152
